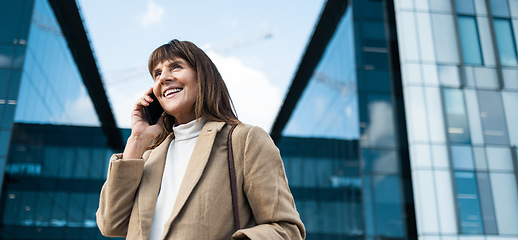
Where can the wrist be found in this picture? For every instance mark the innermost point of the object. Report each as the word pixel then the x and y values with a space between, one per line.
pixel 136 146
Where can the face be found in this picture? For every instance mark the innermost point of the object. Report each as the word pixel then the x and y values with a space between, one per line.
pixel 176 88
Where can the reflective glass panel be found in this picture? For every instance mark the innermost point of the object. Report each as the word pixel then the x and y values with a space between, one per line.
pixel 486 41
pixel 440 157
pixel 445 38
pixel 492 117
pixel 475 125
pixel 387 200
pixel 435 115
pixel 456 119
pixel 382 162
pixel 468 203
pixel 6 56
pixel 505 196
pixel 408 43
pixel 440 5
pixel 499 8
pixel 328 107
pixel 511 115
pixel 462 157
pixel 424 30
pixel 510 78
pixel 480 158
pixel 11 15
pixel 486 203
pixel 513 6
pixel 4 141
pixel 52 90
pixel 449 75
pixel 499 159
pixel 445 202
pixel 379 130
pixel 470 43
pixel 486 78
pixel 416 114
pixel 480 7
pixel 505 42
pixel 465 7
pixel 427 206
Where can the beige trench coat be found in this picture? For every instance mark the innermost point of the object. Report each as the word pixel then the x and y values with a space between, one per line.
pixel 203 208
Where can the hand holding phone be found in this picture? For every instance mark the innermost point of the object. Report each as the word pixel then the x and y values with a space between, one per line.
pixel 154 110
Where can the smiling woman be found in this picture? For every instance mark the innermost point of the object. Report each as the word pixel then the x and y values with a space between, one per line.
pixel 186 163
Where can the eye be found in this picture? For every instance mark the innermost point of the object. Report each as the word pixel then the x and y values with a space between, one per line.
pixel 176 66
pixel 157 74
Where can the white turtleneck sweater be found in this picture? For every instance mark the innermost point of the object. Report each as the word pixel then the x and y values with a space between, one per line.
pixel 178 155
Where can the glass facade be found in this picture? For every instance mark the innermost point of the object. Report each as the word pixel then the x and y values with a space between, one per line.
pixel 51 178
pixel 14 21
pixel 425 115
pixel 51 88
pixel 341 145
pixel 460 120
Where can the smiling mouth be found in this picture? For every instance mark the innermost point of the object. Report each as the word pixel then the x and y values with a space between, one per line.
pixel 172 91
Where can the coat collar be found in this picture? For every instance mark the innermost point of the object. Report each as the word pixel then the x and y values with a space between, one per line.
pixel 152 177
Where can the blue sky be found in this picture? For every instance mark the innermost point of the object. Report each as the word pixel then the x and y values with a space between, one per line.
pixel 256 45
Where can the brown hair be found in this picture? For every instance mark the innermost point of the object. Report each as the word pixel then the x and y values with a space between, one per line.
pixel 213 101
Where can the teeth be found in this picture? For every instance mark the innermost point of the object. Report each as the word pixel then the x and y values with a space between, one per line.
pixel 171 91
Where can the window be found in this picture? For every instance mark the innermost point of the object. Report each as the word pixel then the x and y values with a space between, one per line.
pixel 468 203
pixel 456 119
pixel 462 157
pixel 469 39
pixel 486 203
pixel 389 212
pixel 445 38
pixel 506 202
pixel 505 42
pixel 492 117
pixel 511 114
pixel 499 8
pixel 465 7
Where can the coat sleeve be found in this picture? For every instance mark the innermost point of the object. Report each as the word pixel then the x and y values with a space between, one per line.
pixel 266 188
pixel 118 194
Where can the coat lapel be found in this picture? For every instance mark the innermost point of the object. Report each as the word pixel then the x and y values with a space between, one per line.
pixel 196 166
pixel 150 185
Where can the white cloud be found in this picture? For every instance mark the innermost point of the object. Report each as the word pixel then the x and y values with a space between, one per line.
pixel 152 15
pixel 255 98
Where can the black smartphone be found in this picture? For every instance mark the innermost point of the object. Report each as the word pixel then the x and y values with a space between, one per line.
pixel 153 111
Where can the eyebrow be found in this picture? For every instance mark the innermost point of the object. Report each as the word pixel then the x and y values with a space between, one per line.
pixel 169 64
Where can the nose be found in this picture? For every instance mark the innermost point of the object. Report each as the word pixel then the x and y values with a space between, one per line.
pixel 164 76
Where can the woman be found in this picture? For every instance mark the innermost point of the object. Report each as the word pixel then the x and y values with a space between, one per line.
pixel 178 187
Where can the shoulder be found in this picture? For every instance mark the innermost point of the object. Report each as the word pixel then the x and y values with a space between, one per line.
pixel 245 131
pixel 252 139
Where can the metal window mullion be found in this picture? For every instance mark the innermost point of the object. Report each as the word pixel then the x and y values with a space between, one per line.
pixel 462 72
pixel 514 157
pixel 495 45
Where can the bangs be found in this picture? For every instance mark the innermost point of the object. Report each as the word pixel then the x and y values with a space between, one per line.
pixel 164 52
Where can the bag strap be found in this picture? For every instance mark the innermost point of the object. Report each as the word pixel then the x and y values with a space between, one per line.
pixel 232 174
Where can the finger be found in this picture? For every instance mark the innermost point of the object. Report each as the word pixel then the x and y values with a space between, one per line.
pixel 144 102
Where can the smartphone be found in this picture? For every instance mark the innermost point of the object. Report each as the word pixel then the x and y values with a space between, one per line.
pixel 153 111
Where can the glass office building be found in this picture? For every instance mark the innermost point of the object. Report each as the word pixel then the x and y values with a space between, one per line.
pixel 56 127
pixel 401 121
